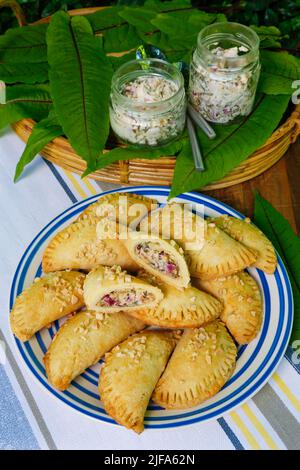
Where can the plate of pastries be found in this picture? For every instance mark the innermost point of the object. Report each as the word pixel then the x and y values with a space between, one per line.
pixel 148 313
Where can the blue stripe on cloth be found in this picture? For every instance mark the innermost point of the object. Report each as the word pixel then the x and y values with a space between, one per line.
pixel 60 180
pixel 15 430
pixel 230 434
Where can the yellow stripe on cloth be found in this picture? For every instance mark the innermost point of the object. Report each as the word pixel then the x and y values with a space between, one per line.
pixel 75 183
pixel 90 187
pixel 286 390
pixel 243 428
pixel 259 427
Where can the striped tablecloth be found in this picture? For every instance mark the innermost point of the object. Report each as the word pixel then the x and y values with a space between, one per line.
pixel 30 418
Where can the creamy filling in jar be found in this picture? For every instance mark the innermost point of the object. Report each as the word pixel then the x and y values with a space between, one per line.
pixel 224 73
pixel 158 259
pixel 148 106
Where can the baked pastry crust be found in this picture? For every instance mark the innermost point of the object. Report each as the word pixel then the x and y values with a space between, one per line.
pixel 220 256
pixel 248 234
pixel 243 308
pixel 125 208
pixel 78 247
pixel 169 248
pixel 47 299
pixel 209 252
pixel 180 308
pixel 203 361
pixel 104 284
pixel 130 374
pixel 82 341
pixel 175 222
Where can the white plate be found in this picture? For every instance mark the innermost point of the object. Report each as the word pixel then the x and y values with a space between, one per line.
pixel 256 362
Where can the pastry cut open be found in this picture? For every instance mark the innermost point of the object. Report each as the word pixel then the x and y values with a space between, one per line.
pixel 82 341
pixel 161 258
pixel 111 289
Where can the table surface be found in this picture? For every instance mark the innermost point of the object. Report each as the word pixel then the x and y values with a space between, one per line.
pixel 30 418
pixel 279 185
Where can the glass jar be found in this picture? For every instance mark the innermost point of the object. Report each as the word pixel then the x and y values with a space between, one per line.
pixel 148 104
pixel 224 72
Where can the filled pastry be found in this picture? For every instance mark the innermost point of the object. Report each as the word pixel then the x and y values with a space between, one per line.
pixel 47 299
pixel 126 208
pixel 178 222
pixel 109 289
pixel 161 258
pixel 242 301
pixel 82 341
pixel 130 373
pixel 179 308
pixel 209 252
pixel 248 234
pixel 220 256
pixel 78 247
pixel 203 361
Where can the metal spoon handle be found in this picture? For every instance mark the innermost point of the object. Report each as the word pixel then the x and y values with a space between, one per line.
pixel 199 166
pixel 200 121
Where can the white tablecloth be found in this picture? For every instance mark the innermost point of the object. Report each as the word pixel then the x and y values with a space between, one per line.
pixel 30 418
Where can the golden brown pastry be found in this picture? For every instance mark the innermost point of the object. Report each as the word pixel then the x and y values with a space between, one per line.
pixel 47 299
pixel 177 222
pixel 82 341
pixel 126 208
pixel 184 308
pixel 209 252
pixel 130 374
pixel 220 256
pixel 161 258
pixel 242 301
pixel 109 289
pixel 248 234
pixel 203 361
pixel 78 247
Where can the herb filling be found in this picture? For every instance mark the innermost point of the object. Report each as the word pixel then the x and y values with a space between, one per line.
pixel 126 298
pixel 158 259
pixel 145 125
pixel 219 94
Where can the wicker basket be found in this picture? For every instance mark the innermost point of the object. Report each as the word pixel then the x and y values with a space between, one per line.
pixel 160 171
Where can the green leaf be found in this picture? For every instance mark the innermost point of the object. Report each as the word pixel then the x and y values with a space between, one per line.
pixel 25 101
pixel 232 145
pixel 269 36
pixel 24 73
pixel 80 76
pixel 140 18
pixel 279 70
pixel 43 132
pixel 24 45
pixel 116 62
pixel 104 19
pixel 130 152
pixel 121 39
pixel 166 6
pixel 286 242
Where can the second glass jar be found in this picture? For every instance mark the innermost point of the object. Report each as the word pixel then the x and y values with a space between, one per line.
pixel 224 72
pixel 148 104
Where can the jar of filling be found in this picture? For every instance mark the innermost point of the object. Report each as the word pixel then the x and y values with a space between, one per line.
pixel 224 72
pixel 148 104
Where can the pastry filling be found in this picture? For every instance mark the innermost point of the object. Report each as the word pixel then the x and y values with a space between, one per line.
pixel 126 298
pixel 158 259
